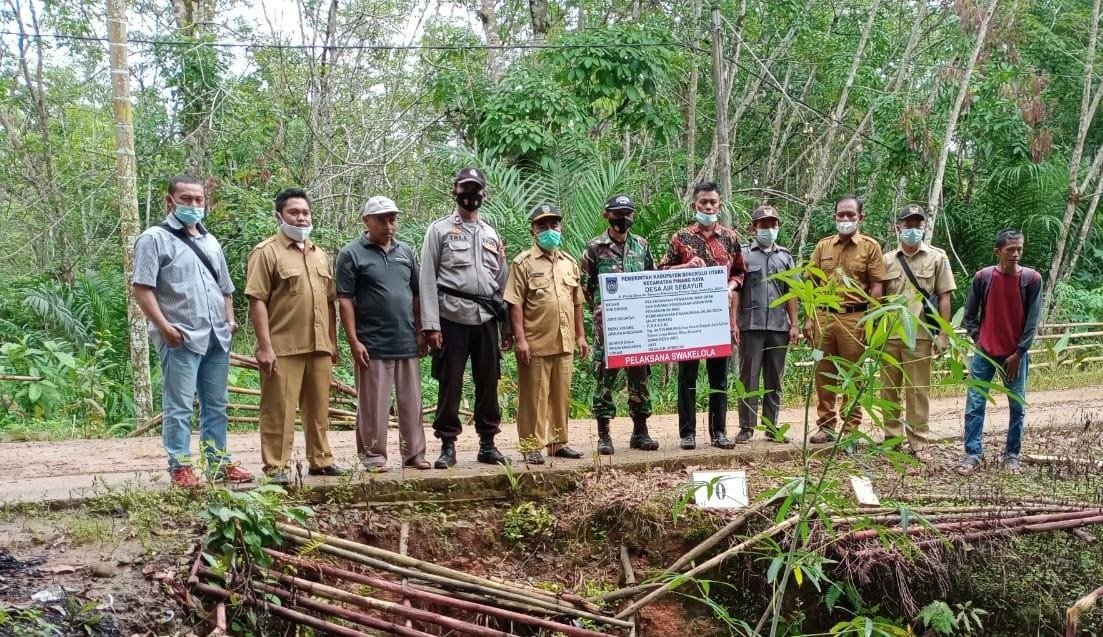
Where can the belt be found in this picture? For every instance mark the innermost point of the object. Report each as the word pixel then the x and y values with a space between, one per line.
pixel 848 309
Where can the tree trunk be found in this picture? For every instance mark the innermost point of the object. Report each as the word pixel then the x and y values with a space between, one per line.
pixel 794 120
pixel 723 150
pixel 538 9
pixel 934 196
pixel 1085 228
pixel 194 19
pixel 691 102
pixel 126 174
pixel 1088 107
pixel 489 19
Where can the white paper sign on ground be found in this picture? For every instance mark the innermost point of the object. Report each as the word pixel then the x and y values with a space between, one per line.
pixel 665 316
pixel 863 490
pixel 729 491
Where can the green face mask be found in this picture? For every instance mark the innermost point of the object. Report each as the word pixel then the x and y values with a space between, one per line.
pixel 549 239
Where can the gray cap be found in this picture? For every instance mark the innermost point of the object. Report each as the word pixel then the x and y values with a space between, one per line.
pixel 378 205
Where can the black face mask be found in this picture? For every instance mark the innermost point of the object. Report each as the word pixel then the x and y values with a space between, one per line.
pixel 469 200
pixel 620 224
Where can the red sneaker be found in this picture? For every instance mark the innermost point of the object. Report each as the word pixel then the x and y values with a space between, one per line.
pixel 234 473
pixel 184 478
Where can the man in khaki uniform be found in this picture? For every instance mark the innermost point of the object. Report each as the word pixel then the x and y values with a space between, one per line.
pixel 545 297
pixel 291 304
pixel 930 267
pixel 855 256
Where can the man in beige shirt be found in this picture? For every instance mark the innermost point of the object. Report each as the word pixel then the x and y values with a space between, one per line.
pixel 930 268
pixel 291 304
pixel 545 299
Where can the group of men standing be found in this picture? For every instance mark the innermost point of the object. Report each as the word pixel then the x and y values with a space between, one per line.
pixel 461 301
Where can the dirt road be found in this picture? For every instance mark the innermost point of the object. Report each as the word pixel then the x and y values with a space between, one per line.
pixel 50 471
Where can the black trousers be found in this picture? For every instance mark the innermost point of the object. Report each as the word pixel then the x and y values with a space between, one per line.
pixel 717 369
pixel 480 344
pixel 761 354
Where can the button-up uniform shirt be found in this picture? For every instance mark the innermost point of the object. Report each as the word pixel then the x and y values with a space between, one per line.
pixel 856 256
pixel 189 297
pixel 756 300
pixel 384 286
pixel 466 257
pixel 546 286
pixel 297 286
pixel 932 271
pixel 719 248
pixel 603 255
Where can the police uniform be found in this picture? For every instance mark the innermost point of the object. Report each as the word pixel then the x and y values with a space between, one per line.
pixel 604 255
pixel 931 268
pixel 838 332
pixel 546 286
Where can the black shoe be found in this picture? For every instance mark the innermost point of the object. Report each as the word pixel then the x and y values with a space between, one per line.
pixel 331 470
pixel 534 457
pixel 568 453
pixel 744 436
pixel 640 438
pixel 721 441
pixel 447 455
pixel 489 454
pixel 604 440
pixel 689 442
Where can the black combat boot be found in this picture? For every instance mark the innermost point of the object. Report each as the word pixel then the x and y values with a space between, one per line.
pixel 604 440
pixel 640 438
pixel 488 453
pixel 447 454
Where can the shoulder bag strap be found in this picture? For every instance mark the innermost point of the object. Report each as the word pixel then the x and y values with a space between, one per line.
pixel 182 236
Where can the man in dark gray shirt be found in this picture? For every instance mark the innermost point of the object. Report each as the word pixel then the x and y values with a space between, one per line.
pixel 764 331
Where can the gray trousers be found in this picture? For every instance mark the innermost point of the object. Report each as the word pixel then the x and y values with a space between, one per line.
pixel 761 353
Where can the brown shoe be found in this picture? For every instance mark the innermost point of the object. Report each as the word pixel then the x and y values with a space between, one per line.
pixel 418 463
pixel 924 456
pixel 822 436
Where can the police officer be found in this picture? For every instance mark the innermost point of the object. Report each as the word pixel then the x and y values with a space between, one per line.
pixel 765 330
pixel 838 333
pixel 545 300
pixel 463 272
pixel 617 250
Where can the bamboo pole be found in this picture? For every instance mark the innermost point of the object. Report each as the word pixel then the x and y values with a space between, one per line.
pixel 1082 605
pixel 149 425
pixel 308 603
pixel 629 580
pixel 325 627
pixel 20 379
pixel 867 534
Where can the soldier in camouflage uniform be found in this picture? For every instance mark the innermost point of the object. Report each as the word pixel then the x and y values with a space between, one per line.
pixel 617 250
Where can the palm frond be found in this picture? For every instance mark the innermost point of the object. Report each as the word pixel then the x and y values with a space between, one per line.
pixel 58 313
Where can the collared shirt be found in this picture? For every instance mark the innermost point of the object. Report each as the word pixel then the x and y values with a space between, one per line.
pixel 604 255
pixel 756 300
pixel 384 287
pixel 932 271
pixel 856 256
pixel 719 248
pixel 189 297
pixel 546 286
pixel 464 257
pixel 297 286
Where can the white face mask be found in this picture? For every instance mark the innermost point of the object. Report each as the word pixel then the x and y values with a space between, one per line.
pixel 295 233
pixel 846 227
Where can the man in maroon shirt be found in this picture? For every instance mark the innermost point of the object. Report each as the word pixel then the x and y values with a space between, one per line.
pixel 1002 313
pixel 703 244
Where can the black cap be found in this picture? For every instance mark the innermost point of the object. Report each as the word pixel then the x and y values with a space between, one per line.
pixel 620 202
pixel 911 210
pixel 544 210
pixel 764 212
pixel 470 173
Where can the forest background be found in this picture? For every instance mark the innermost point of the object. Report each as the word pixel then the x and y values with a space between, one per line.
pixel 985 112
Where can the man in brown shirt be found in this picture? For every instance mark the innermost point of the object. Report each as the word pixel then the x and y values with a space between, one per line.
pixel 291 304
pixel 545 297
pixel 846 256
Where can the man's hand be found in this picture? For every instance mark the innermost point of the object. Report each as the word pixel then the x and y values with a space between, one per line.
pixel 422 346
pixel 434 339
pixel 695 262
pixel 266 361
pixel 521 349
pixel 737 337
pixel 583 347
pixel 335 356
pixel 173 337
pixel 507 342
pixel 794 333
pixel 942 343
pixel 1011 367
pixel 808 326
pixel 233 327
pixel 359 353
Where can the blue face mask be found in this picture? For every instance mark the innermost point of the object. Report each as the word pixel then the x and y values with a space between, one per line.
pixel 706 219
pixel 549 239
pixel 766 236
pixel 188 215
pixel 911 236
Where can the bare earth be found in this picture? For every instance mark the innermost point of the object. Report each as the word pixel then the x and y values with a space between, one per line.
pixel 52 471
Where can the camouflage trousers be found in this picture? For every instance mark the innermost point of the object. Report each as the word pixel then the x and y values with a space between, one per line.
pixel 639 396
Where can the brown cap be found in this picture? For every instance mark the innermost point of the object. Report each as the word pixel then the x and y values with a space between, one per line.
pixel 911 210
pixel 470 173
pixel 764 212
pixel 543 211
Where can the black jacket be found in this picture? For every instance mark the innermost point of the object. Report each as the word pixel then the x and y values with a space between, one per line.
pixel 1030 288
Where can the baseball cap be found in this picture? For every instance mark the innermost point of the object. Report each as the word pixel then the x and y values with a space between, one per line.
pixel 544 210
pixel 911 210
pixel 470 173
pixel 620 202
pixel 378 205
pixel 764 212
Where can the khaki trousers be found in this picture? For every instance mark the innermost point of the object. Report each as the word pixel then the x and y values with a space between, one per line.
pixel 374 384
pixel 844 338
pixel 299 381
pixel 913 376
pixel 544 397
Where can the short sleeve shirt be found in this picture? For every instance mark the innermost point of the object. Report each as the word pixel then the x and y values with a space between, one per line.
pixel 932 271
pixel 857 257
pixel 297 286
pixel 383 285
pixel 547 288
pixel 756 300
pixel 721 247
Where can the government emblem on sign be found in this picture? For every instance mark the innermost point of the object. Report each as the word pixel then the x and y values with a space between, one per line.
pixel 611 285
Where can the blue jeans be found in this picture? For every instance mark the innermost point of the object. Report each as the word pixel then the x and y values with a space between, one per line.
pixel 975 404
pixel 185 375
